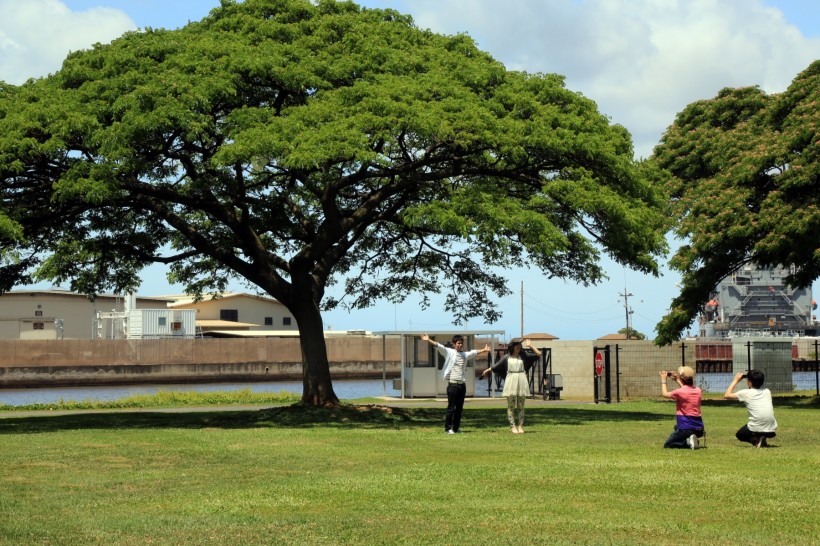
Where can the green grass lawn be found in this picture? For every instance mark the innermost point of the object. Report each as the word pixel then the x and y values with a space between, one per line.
pixel 582 474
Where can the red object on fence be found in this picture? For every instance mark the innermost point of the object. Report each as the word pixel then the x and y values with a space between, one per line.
pixel 713 351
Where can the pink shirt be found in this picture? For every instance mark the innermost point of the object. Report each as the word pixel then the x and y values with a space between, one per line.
pixel 687 407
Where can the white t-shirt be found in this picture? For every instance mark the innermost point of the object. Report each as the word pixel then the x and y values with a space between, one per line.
pixel 454 359
pixel 761 411
pixel 457 371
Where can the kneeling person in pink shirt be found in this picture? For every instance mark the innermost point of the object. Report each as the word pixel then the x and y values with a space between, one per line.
pixel 689 423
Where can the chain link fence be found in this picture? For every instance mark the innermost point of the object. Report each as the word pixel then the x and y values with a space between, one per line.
pixel 789 366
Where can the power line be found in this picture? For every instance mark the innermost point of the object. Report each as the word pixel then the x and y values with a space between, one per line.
pixel 573 312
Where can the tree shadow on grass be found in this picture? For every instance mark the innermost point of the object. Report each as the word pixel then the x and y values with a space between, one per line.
pixel 779 401
pixel 797 402
pixel 347 416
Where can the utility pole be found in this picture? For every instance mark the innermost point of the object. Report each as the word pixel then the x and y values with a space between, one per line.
pixel 627 310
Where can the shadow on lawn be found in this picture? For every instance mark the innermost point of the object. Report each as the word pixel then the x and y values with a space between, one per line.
pixel 346 416
pixel 354 416
pixel 779 401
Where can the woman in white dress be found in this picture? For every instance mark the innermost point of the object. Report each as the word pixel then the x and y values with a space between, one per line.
pixel 516 386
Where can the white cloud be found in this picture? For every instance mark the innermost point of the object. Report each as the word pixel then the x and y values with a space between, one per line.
pixel 642 61
pixel 36 35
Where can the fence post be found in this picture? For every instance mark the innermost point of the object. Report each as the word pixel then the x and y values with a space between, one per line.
pixel 605 370
pixel 607 374
pixel 617 373
pixel 816 370
pixel 596 379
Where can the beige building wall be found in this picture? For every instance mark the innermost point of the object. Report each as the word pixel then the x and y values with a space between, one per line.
pixel 9 328
pixel 29 309
pixel 249 309
pixel 37 315
pixel 32 314
pixel 36 329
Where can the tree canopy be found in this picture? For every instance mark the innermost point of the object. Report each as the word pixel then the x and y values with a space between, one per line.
pixel 745 184
pixel 295 145
pixel 632 333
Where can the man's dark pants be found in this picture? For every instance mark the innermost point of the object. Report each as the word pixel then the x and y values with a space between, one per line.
pixel 678 437
pixel 456 392
pixel 746 435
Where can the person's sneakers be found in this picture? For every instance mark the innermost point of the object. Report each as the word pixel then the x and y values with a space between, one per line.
pixel 693 442
pixel 761 442
pixel 451 431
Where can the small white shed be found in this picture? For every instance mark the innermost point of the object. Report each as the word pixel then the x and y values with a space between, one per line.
pixel 161 323
pixel 421 363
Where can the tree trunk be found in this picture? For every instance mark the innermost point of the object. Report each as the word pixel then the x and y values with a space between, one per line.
pixel 317 388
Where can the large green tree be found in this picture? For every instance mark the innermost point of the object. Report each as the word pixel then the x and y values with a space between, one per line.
pixel 745 187
pixel 295 145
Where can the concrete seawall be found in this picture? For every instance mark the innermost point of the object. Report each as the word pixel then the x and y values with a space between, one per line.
pixel 117 362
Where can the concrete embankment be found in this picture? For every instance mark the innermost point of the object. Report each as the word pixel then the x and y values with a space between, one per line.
pixel 116 362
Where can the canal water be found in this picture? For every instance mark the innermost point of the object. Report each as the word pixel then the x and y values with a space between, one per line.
pixel 345 390
pixel 718 382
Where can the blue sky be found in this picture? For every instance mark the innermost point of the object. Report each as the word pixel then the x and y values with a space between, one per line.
pixel 641 61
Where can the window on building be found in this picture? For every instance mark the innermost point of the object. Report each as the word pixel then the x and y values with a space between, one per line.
pixel 286 321
pixel 231 315
pixel 161 321
pixel 39 325
pixel 38 313
pixel 268 321
pixel 176 326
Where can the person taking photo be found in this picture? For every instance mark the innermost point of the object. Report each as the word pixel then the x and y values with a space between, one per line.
pixel 688 420
pixel 758 402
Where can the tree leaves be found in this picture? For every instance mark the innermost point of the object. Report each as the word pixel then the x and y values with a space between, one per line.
pixel 296 145
pixel 744 183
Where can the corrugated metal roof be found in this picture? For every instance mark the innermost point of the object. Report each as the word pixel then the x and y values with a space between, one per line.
pixel 252 333
pixel 69 293
pixel 185 299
